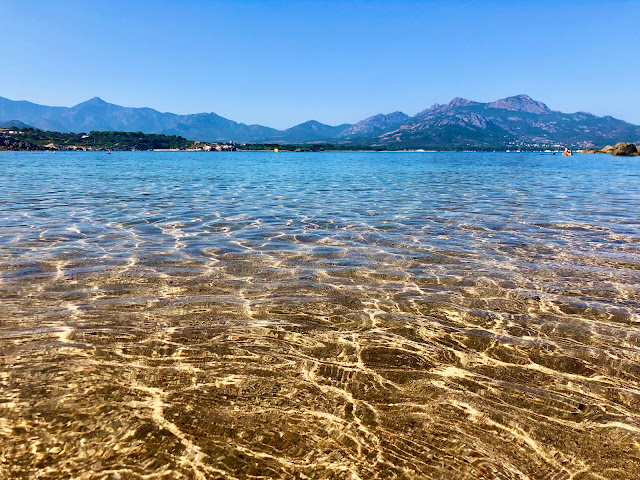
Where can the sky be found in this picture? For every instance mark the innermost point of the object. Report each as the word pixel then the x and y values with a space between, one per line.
pixel 280 63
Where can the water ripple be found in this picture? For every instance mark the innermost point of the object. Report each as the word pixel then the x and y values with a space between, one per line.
pixel 356 316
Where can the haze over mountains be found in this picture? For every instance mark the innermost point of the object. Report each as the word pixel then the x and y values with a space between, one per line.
pixel 459 123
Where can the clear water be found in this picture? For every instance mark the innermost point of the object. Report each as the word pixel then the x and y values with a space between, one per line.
pixel 329 315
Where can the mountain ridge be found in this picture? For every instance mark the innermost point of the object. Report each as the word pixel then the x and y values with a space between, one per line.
pixel 513 120
pixel 516 120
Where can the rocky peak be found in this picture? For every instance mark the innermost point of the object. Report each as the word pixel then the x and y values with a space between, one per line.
pixel 377 123
pixel 312 124
pixel 520 103
pixel 386 119
pixel 459 102
pixel 93 102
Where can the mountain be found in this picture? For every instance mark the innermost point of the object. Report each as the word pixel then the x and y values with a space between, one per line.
pixel 461 123
pixel 310 131
pixel 27 112
pixel 520 103
pixel 12 123
pixel 96 114
pixel 512 120
pixel 374 125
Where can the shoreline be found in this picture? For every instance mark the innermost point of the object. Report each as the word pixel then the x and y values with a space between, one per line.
pixel 30 139
pixel 240 150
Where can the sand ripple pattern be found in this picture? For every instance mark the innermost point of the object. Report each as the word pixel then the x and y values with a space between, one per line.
pixel 331 316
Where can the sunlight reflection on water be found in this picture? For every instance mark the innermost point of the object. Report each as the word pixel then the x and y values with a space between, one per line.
pixel 330 315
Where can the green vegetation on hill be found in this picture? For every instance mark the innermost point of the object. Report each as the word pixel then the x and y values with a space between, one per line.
pixel 101 140
pixel 30 139
pixel 137 141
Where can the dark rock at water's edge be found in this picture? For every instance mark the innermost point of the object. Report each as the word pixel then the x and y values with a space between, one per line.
pixel 621 149
pixel 624 149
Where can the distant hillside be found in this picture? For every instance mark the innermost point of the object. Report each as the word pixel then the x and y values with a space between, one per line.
pixel 374 125
pixel 96 114
pixel 461 123
pixel 12 123
pixel 514 120
pixel 311 131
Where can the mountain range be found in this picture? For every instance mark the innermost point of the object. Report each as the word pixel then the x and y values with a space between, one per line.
pixel 517 120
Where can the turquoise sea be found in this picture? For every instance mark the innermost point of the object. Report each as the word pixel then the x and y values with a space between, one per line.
pixel 319 315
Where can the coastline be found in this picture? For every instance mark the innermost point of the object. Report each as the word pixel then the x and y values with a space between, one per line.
pixel 30 139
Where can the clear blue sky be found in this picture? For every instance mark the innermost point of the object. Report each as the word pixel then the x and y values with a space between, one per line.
pixel 279 63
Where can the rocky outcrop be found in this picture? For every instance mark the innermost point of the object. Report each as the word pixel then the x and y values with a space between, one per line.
pixel 520 103
pixel 621 149
pixel 624 149
pixel 454 104
pixel 608 149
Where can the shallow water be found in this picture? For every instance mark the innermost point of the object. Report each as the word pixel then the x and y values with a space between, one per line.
pixel 338 316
